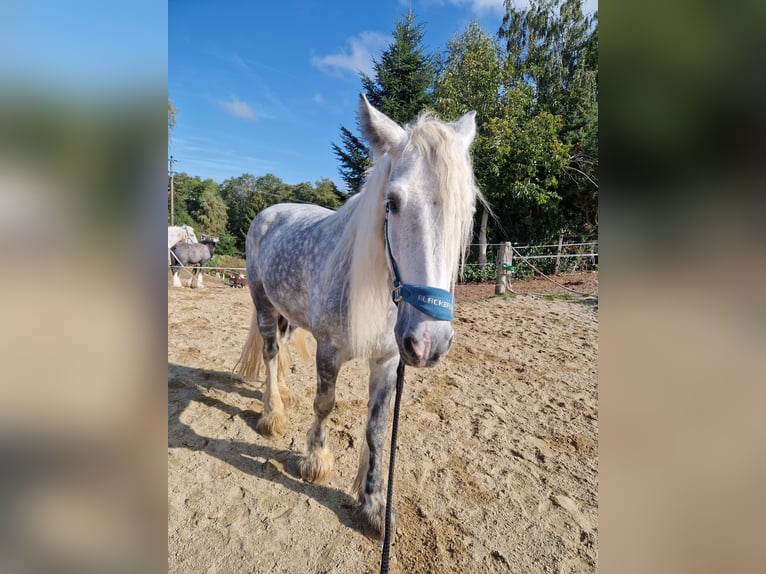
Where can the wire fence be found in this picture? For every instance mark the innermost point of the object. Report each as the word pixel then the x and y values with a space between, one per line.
pixel 550 259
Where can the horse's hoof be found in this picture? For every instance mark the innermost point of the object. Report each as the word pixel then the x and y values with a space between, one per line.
pixel 372 517
pixel 273 424
pixel 317 466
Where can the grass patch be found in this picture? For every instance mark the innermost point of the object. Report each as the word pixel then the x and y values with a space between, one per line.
pixel 226 261
pixel 561 296
pixel 506 295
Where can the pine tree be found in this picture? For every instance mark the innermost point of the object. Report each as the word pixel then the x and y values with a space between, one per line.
pixel 354 158
pixel 402 88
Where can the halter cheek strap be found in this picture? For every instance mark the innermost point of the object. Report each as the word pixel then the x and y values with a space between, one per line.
pixel 434 302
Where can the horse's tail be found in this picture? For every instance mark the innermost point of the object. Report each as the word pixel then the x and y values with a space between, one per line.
pixel 251 360
pixel 299 340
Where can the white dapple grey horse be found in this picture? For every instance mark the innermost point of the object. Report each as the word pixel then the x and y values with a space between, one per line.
pixel 332 273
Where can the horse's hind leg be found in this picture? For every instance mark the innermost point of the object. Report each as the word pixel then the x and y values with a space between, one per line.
pixel 196 280
pixel 369 482
pixel 318 463
pixel 273 421
pixel 283 362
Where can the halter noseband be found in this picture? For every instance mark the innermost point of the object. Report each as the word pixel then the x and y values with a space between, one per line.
pixel 434 302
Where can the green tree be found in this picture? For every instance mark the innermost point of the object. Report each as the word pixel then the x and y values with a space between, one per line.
pixel 527 159
pixel 171 117
pixel 354 158
pixel 471 79
pixel 404 76
pixel 243 202
pixel 402 88
pixel 325 193
pixel 552 48
pixel 184 185
pixel 210 209
pixel 328 194
pixel 272 189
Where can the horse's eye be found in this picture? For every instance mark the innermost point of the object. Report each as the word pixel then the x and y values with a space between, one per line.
pixel 392 205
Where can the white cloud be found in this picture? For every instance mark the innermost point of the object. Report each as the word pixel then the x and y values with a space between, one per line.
pixel 498 6
pixel 318 99
pixel 477 6
pixel 238 109
pixel 357 57
pixel 482 6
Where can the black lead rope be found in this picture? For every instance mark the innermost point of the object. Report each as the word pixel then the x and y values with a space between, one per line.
pixel 389 494
pixel 436 303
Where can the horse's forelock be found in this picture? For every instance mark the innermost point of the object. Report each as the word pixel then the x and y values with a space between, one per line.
pixel 449 160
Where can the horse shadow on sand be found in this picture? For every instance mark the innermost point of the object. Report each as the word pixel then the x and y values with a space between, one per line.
pixel 188 384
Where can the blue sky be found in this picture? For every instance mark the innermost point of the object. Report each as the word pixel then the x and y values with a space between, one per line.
pixel 263 87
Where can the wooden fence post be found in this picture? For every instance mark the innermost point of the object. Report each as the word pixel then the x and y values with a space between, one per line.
pixel 558 254
pixel 504 259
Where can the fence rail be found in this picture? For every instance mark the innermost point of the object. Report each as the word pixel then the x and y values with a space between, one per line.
pixel 549 258
pixel 487 270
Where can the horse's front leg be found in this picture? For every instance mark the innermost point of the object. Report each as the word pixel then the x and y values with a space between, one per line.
pixel 369 482
pixel 318 463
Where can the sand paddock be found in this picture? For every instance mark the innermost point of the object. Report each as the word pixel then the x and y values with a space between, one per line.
pixel 497 458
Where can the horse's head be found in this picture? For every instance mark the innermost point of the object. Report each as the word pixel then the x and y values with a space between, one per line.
pixel 430 199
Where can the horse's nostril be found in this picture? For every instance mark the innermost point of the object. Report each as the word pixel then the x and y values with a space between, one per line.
pixel 415 347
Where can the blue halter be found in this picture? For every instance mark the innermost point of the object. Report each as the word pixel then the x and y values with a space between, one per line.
pixel 434 302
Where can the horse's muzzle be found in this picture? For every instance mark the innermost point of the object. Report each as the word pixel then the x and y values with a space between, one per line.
pixel 424 342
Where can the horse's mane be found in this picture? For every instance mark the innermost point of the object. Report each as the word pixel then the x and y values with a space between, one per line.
pixel 361 245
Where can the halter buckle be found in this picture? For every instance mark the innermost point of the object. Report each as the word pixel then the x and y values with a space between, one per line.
pixel 396 294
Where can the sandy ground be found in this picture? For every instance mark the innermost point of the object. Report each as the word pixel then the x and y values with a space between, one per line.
pixel 497 458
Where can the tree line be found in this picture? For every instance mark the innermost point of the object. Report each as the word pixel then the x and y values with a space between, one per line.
pixel 226 210
pixel 534 86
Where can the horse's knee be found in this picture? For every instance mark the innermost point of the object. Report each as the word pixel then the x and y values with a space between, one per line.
pixel 270 347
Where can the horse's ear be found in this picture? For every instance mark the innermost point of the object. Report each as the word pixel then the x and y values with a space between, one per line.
pixel 383 133
pixel 466 128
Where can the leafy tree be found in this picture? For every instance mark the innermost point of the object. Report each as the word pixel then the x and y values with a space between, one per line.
pixel 325 194
pixel 527 160
pixel 171 117
pixel 328 194
pixel 198 203
pixel 471 76
pixel 272 188
pixel 552 48
pixel 402 88
pixel 184 185
pixel 210 208
pixel 243 202
pixel 227 244
pixel 471 79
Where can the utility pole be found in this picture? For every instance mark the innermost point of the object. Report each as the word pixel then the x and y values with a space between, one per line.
pixel 171 161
